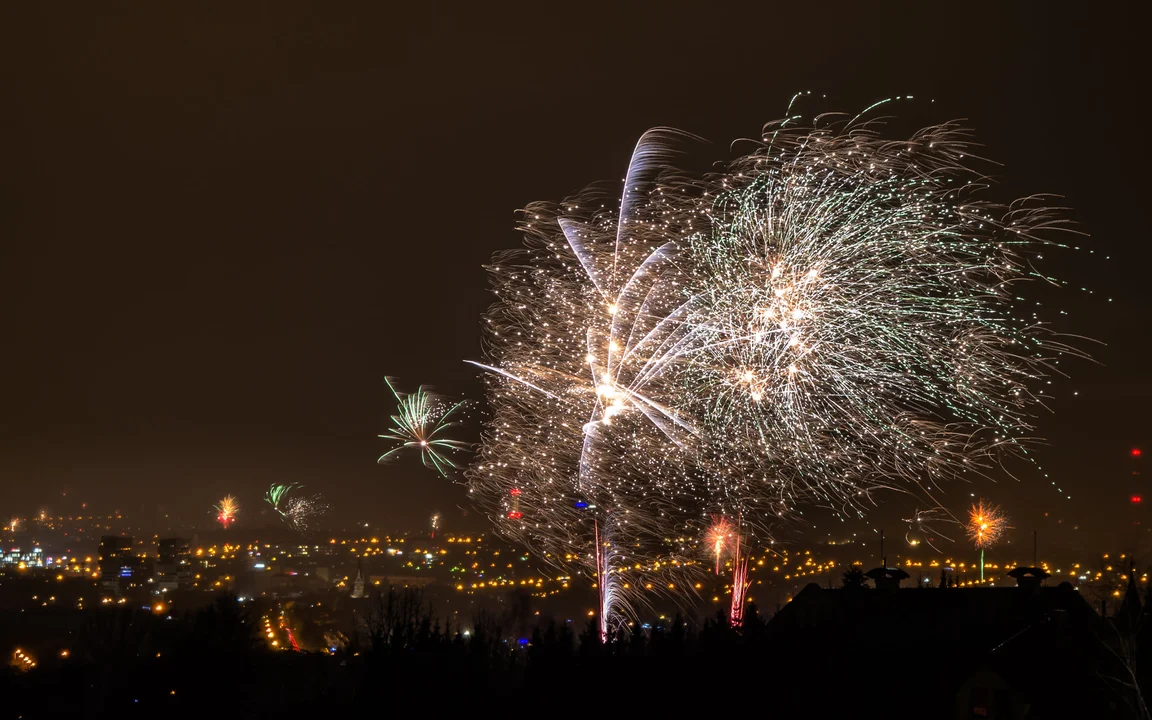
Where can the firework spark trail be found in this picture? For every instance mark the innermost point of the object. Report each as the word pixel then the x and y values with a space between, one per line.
pixel 562 431
pixel 831 315
pixel 227 510
pixel 740 583
pixel 421 421
pixel 924 522
pixel 717 538
pixel 607 585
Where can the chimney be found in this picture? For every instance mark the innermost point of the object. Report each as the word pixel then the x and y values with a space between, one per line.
pixel 886 578
pixel 1028 578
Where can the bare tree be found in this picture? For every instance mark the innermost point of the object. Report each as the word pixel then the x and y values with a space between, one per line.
pixel 1121 641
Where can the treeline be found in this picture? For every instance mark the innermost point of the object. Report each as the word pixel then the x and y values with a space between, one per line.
pixel 405 642
pixel 131 662
pixel 405 658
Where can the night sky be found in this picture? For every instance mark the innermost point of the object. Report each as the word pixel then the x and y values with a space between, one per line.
pixel 222 228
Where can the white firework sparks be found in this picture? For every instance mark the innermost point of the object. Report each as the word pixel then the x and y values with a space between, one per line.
pixel 833 314
pixel 302 512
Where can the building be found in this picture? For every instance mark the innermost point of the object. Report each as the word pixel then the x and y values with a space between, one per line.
pixel 358 584
pixel 991 652
pixel 118 566
pixel 173 564
pixel 16 558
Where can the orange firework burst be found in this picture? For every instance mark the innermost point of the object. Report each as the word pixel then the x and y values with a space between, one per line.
pixel 985 524
pixel 227 509
pixel 718 537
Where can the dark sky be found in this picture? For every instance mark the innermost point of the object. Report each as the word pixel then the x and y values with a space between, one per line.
pixel 221 228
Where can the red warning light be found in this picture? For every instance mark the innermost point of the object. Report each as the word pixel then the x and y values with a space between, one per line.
pixel 1136 452
pixel 515 513
pixel 1136 499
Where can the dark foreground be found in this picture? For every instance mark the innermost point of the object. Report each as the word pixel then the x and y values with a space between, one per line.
pixel 922 653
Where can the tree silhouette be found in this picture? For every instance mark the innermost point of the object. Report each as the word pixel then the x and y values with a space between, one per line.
pixel 854 578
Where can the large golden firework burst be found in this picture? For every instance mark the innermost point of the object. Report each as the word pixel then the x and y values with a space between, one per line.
pixel 986 524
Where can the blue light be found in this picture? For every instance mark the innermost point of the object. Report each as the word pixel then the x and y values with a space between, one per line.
pixel 581 504
pixel 523 641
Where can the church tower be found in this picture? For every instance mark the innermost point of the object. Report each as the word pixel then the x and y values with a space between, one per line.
pixel 358 585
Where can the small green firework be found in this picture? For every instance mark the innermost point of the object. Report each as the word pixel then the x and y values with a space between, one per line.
pixel 277 494
pixel 421 421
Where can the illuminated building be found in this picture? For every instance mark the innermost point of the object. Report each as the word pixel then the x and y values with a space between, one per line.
pixel 358 585
pixel 173 564
pixel 15 556
pixel 117 564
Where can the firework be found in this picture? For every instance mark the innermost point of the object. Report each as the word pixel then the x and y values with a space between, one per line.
pixel 740 583
pixel 829 316
pixel 14 524
pixel 717 538
pixel 852 298
pixel 985 526
pixel 925 523
pixel 434 524
pixel 277 495
pixel 300 512
pixel 614 598
pixel 226 511
pixel 573 386
pixel 421 422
